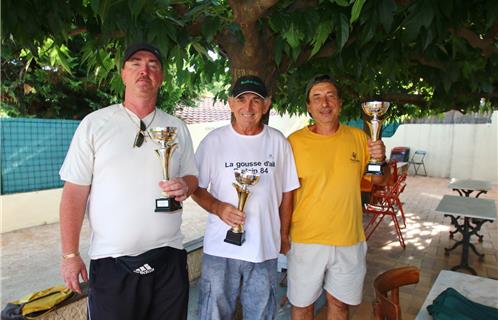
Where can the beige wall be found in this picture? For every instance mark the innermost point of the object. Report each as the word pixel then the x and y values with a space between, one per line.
pixel 28 209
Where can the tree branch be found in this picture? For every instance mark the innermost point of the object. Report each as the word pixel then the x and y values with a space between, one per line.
pixel 405 98
pixel 249 11
pixel 434 64
pixel 77 31
pixel 486 45
pixel 194 28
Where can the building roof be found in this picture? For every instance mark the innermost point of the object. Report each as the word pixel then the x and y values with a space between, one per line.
pixel 207 110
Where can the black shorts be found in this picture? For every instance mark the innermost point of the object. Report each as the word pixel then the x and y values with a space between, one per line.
pixel 151 286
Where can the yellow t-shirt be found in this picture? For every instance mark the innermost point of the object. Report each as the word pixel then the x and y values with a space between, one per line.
pixel 327 206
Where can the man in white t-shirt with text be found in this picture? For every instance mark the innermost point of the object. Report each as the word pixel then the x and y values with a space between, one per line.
pixel 248 269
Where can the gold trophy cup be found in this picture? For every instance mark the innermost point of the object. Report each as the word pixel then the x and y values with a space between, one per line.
pixel 164 137
pixel 244 178
pixel 375 110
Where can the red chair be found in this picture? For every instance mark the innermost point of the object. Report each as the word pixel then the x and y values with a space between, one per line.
pixel 378 192
pixel 386 204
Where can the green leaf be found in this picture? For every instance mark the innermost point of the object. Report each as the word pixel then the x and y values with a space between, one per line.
pixel 95 4
pixel 210 27
pixel 342 31
pixel 491 12
pixel 387 9
pixel 343 3
pixel 200 49
pixel 277 49
pixel 136 7
pixel 356 10
pixel 293 36
pixel 322 33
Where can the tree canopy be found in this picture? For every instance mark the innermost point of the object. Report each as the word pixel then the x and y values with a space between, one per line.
pixel 424 56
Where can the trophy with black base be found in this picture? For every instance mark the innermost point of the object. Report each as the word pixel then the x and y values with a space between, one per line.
pixel 165 137
pixel 375 110
pixel 244 178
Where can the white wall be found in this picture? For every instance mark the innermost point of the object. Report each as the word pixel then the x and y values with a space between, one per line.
pixel 465 151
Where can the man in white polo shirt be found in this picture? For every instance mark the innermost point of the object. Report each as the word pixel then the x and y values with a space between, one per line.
pixel 138 264
pixel 233 268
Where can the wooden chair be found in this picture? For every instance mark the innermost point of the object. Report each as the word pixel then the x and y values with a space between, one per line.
pixel 386 204
pixel 386 286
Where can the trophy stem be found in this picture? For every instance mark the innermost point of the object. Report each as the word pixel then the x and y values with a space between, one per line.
pixel 243 194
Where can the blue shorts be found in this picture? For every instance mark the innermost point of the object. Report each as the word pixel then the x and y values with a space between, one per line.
pixel 223 280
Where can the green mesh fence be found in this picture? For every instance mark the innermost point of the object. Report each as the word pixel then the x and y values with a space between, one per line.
pixel 32 152
pixel 388 130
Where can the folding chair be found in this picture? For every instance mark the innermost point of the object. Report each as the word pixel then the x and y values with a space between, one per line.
pixel 378 192
pixel 418 161
pixel 386 286
pixel 386 205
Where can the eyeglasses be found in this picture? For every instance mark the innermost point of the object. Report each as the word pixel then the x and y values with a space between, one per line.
pixel 140 137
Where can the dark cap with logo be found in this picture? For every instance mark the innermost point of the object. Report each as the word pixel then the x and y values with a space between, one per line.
pixel 134 48
pixel 249 84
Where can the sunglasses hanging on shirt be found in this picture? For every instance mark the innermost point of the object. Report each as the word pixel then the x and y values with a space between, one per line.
pixel 142 130
pixel 140 137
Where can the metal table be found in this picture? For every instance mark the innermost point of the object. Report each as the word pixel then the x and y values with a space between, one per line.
pixel 465 187
pixel 468 208
pixel 478 289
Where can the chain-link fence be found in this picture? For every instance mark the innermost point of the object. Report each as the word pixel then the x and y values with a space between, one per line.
pixel 32 152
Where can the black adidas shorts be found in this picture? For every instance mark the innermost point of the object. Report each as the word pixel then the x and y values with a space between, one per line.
pixel 151 286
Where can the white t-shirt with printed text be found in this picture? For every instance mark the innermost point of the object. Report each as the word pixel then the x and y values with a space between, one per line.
pixel 269 155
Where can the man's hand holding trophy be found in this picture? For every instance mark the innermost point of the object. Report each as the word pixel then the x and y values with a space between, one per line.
pixel 244 178
pixel 375 110
pixel 165 137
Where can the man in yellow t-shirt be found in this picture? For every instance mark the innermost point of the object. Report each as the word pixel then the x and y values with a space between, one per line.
pixel 328 247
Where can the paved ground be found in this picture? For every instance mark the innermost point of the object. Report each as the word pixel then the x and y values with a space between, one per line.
pixel 30 257
pixel 426 236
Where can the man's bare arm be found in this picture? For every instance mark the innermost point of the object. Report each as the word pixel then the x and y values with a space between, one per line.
pixel 225 211
pixel 72 211
pixel 286 207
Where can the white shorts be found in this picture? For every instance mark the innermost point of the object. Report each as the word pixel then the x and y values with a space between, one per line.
pixel 339 270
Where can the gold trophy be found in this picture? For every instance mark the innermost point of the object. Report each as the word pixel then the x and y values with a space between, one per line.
pixel 244 178
pixel 165 136
pixel 375 110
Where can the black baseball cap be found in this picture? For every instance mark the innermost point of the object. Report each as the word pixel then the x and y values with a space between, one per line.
pixel 134 48
pixel 250 84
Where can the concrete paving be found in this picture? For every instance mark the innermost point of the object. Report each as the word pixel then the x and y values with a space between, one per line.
pixel 30 257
